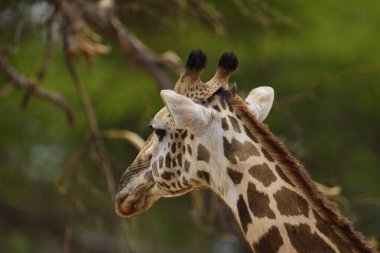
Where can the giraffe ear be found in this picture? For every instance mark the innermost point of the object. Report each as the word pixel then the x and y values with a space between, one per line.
pixel 186 113
pixel 260 101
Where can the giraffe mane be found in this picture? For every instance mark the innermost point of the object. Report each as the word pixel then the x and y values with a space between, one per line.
pixel 294 170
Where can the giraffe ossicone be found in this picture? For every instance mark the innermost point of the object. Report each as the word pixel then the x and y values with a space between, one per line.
pixel 206 136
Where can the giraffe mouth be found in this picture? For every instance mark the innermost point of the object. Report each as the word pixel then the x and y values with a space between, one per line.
pixel 129 204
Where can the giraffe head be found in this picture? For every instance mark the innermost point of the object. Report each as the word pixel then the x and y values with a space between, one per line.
pixel 182 154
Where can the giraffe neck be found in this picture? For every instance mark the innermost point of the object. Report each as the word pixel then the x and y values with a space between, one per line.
pixel 272 213
pixel 273 199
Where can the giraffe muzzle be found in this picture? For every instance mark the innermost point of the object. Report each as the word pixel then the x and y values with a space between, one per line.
pixel 129 203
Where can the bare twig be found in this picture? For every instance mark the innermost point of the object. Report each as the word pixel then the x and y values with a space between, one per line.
pixel 45 63
pixel 68 29
pixel 72 24
pixel 128 243
pixel 208 14
pixel 110 26
pixel 29 86
pixel 264 13
pixel 74 161
pixel 82 181
pixel 49 45
pixel 93 124
pixel 131 137
pixel 47 55
pixel 102 155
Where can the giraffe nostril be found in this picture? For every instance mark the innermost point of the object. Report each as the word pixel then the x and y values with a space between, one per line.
pixel 129 202
pixel 125 205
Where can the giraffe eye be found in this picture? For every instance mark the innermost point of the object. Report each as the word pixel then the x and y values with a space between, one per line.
pixel 160 133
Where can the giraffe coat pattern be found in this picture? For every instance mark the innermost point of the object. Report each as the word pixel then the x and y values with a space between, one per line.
pixel 206 136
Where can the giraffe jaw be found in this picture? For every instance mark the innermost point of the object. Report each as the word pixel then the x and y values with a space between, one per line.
pixel 128 204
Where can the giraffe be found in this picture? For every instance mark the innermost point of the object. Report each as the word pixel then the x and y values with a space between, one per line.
pixel 207 136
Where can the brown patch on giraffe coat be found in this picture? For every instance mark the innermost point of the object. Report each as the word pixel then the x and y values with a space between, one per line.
pixel 267 156
pixel 155 172
pixel 179 159
pixel 263 173
pixel 224 124
pixel 167 160
pixel 167 175
pixel 290 203
pixel 258 202
pixel 229 106
pixel 235 124
pixel 243 213
pixel 250 135
pixel 223 103
pixel 269 242
pixel 237 149
pixel 234 175
pixel 187 166
pixel 204 175
pixel 216 107
pixel 148 176
pixel 326 229
pixel 283 176
pixel 184 134
pixel 154 165
pixel 203 154
pixel 173 147
pixel 304 241
pixel 189 150
pixel 160 162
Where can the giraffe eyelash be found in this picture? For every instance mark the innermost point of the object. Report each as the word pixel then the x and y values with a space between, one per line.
pixel 158 131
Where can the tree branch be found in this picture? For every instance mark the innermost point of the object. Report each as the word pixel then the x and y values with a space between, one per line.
pixel 93 124
pixel 29 86
pixel 74 162
pixel 67 31
pixel 46 58
pixel 107 24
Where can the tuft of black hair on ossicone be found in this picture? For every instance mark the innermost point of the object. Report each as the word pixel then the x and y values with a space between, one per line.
pixel 228 61
pixel 196 60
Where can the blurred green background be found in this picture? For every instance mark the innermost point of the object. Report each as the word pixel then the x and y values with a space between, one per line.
pixel 321 57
